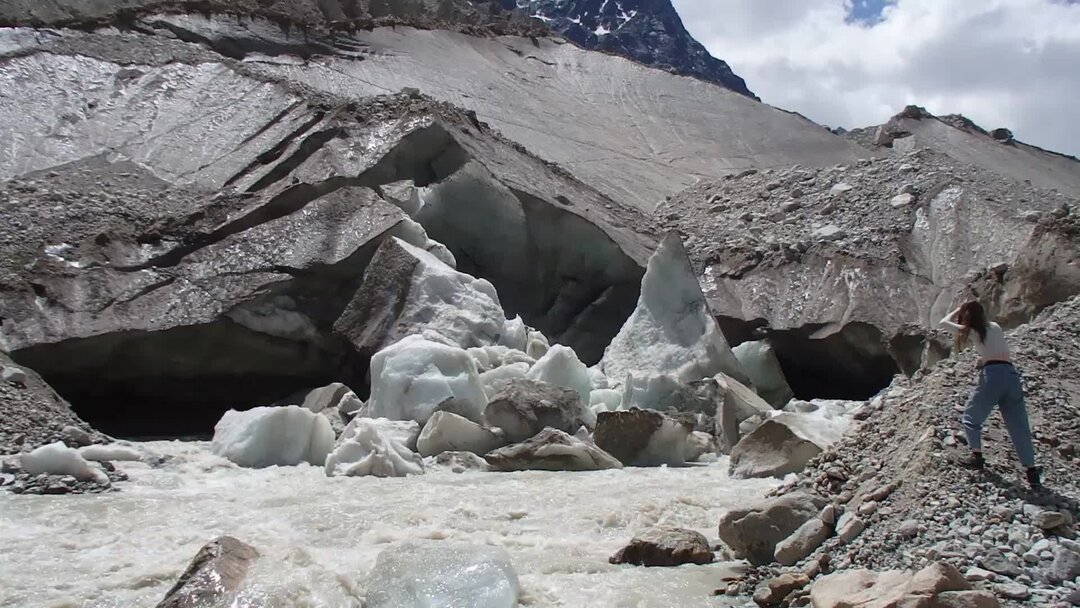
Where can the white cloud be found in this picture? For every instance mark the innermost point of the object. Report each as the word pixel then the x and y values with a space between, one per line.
pixel 1002 63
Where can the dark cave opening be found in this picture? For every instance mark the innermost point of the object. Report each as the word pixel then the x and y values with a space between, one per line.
pixel 179 382
pixel 824 362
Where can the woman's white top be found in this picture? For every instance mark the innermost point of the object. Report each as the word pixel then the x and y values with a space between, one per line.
pixel 993 348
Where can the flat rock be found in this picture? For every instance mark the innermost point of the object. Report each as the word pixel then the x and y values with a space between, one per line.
pixel 1012 591
pixel 996 562
pixel 551 450
pixel 214 576
pixel 665 546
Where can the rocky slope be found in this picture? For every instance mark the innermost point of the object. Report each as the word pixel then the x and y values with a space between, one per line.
pixel 897 473
pixel 647 31
pixel 847 268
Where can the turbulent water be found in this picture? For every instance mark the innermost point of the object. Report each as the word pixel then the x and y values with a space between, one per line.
pixel 319 536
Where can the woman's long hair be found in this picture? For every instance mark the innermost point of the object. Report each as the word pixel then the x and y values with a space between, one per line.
pixel 971 316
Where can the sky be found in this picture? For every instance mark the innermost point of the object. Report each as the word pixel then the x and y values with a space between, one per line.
pixel 855 63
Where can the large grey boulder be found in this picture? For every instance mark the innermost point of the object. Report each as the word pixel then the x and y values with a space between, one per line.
pixel 642 437
pixel 665 546
pixel 551 450
pixel 753 532
pixel 780 445
pixel 523 408
pixel 214 576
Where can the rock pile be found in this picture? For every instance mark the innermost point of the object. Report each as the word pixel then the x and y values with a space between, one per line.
pixel 897 499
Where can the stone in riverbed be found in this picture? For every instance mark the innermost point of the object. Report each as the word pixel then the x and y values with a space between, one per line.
pixel 665 546
pixel 524 407
pixel 551 450
pixel 892 588
pixel 781 445
pixel 214 576
pixel 754 531
pixel 775 590
pixel 642 437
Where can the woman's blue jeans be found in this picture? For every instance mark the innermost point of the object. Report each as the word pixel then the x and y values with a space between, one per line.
pixel 1000 385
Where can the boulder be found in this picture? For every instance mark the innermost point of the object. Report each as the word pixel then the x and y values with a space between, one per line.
pixel 269 436
pixel 1065 567
pixel 773 591
pixel 560 366
pixel 214 576
pixel 802 542
pixel 459 462
pixel 665 546
pixel 408 291
pixel 753 532
pixel 414 377
pixel 868 589
pixel 369 452
pixel 551 450
pixel 448 432
pixel 642 437
pixel 75 437
pixel 849 527
pixel 758 360
pixel 524 407
pixel 672 330
pixel 698 444
pixel 325 397
pixel 784 444
pixel 426 574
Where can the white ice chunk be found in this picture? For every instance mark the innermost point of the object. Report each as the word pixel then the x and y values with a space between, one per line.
pixel 458 306
pixel 404 432
pixel 667 445
pixel 537 344
pixel 759 361
pixel 415 235
pixel 698 444
pixel 481 356
pixel 648 392
pixel 269 436
pixel 443 574
pixel 493 380
pixel 447 432
pixel 58 459
pixel 597 378
pixel 672 330
pixel 561 367
pixel 515 335
pixel 369 452
pixel 413 377
pixel 111 452
pixel 609 398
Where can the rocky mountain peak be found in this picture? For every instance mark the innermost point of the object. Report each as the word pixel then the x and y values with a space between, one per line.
pixel 647 31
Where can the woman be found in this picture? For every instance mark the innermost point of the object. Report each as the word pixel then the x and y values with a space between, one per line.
pixel 999 384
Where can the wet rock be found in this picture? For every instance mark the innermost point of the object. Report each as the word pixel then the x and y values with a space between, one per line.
pixel 754 531
pixel 665 546
pixel 460 462
pixel 775 590
pixel 523 408
pixel 802 542
pixel 551 450
pixel 214 576
pixel 642 437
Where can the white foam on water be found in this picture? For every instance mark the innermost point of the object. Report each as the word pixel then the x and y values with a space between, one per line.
pixel 319 537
